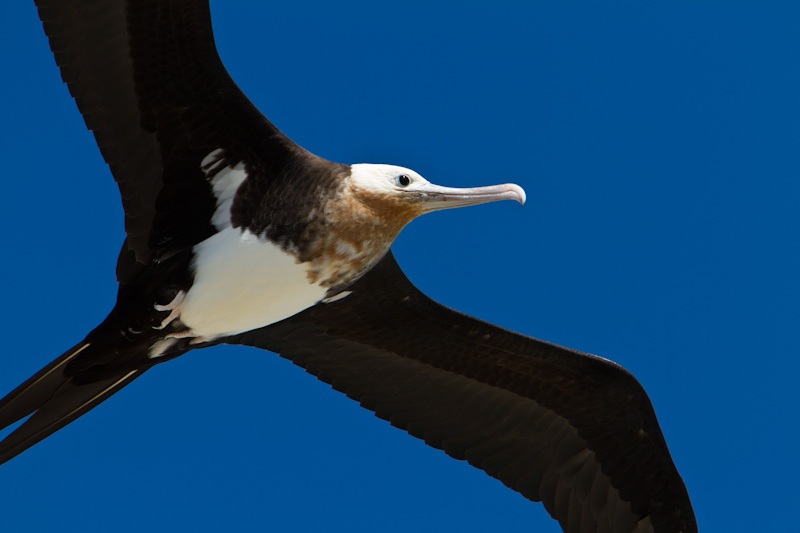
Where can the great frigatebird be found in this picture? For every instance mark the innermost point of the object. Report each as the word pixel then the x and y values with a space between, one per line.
pixel 226 216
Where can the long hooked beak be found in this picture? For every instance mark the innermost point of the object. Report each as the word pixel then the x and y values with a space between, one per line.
pixel 434 197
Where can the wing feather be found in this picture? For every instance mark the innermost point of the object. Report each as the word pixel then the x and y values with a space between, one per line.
pixel 150 85
pixel 572 430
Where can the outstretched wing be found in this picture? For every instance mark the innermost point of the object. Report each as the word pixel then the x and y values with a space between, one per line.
pixel 149 83
pixel 572 430
pixel 147 79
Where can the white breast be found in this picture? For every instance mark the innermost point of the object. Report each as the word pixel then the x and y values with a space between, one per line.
pixel 242 283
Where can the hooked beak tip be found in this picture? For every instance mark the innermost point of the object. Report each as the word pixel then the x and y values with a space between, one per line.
pixel 520 192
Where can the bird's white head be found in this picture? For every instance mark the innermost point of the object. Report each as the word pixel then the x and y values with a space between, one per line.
pixel 402 186
pixel 375 203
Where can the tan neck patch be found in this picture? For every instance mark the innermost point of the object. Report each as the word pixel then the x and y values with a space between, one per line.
pixel 360 228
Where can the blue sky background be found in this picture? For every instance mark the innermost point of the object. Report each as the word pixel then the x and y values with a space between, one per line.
pixel 660 149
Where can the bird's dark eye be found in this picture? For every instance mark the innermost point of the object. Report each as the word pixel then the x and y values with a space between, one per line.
pixel 403 180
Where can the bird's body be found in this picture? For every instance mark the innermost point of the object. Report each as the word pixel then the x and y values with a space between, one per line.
pixel 237 235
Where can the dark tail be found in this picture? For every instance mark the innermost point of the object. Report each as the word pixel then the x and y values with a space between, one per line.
pixel 54 399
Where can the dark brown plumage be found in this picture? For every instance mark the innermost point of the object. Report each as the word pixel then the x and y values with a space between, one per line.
pixel 574 431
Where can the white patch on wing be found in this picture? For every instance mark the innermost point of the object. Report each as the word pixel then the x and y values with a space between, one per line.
pixel 211 159
pixel 224 184
pixel 243 282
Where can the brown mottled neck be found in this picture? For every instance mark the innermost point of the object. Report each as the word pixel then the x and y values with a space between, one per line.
pixel 361 225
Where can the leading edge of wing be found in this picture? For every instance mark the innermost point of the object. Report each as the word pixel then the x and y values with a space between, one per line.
pixel 150 85
pixel 90 44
